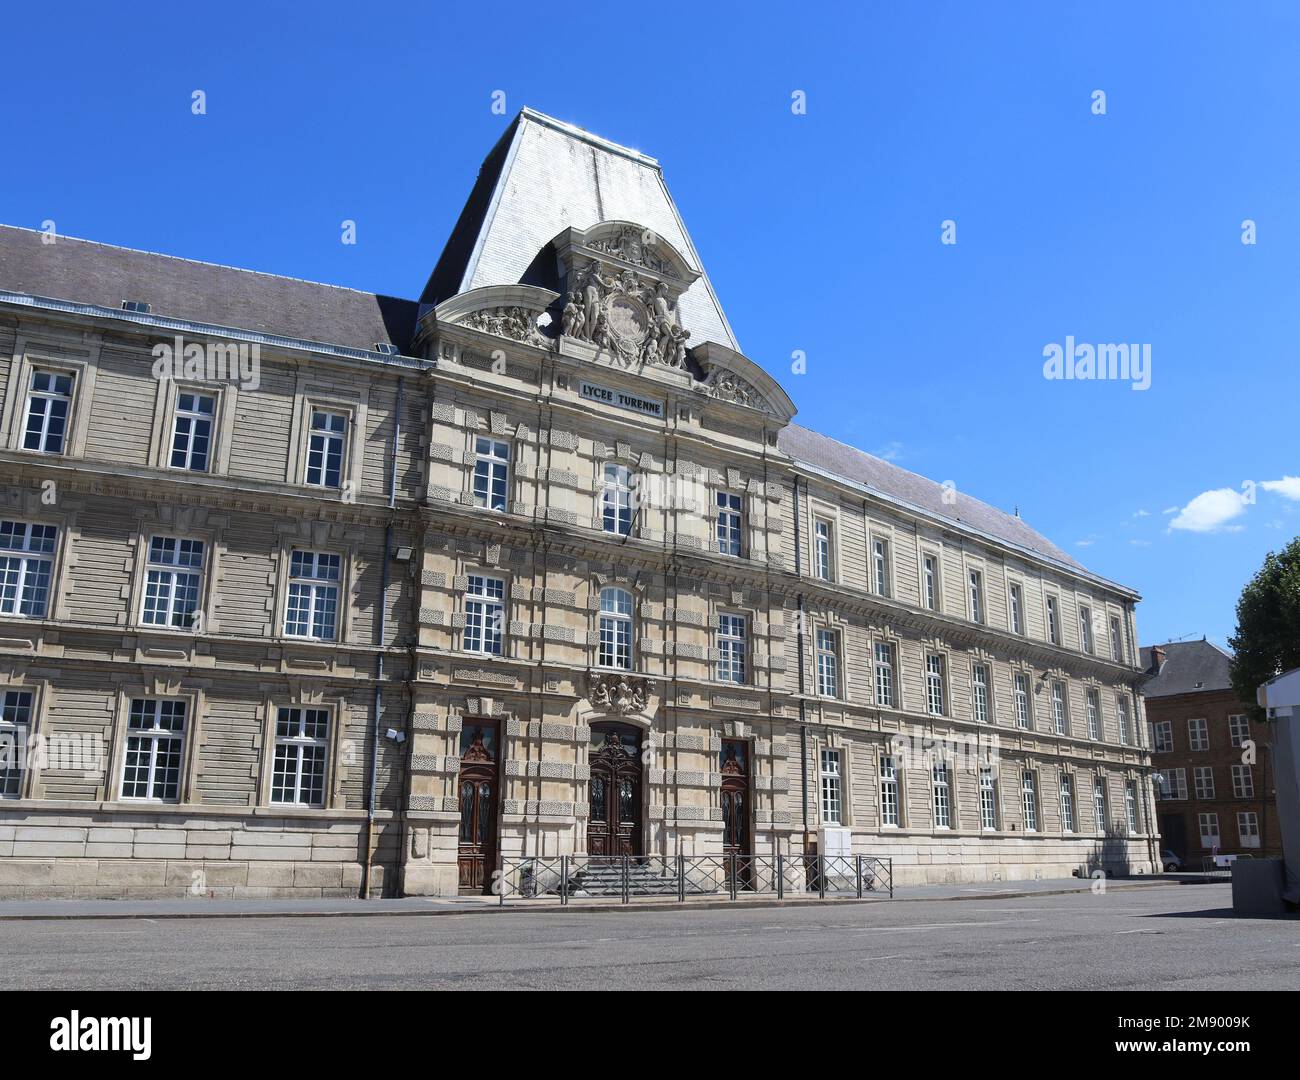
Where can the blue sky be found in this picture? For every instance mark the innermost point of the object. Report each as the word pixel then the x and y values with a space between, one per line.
pixel 821 232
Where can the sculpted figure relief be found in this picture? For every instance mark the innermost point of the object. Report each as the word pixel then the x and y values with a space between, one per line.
pixel 618 693
pixel 634 319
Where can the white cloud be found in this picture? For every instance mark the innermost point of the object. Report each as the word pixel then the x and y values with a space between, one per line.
pixel 1141 513
pixel 891 451
pixel 1084 543
pixel 1288 487
pixel 1140 543
pixel 1170 510
pixel 1211 511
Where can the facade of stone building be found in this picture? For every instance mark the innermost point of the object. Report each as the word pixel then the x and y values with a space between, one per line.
pixel 535 565
pixel 1215 793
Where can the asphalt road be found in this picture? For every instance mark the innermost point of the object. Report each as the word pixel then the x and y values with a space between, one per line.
pixel 1171 937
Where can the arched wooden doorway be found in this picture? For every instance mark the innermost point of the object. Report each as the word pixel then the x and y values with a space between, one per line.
pixel 477 789
pixel 614 791
pixel 736 813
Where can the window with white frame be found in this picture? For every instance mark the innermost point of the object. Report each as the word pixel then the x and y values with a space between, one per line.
pixel 828 663
pixel 1053 626
pixel 988 799
pixel 1085 628
pixel 888 791
pixel 1243 782
pixel 1248 828
pixel 173 582
pixel 884 675
pixel 930 582
pixel 934 695
pixel 942 796
pixel 1162 736
pixel 15 729
pixel 26 567
pixel 976 596
pixel 491 474
pixel 1121 718
pixel 1209 824
pixel 1238 729
pixel 832 788
pixel 980 693
pixel 616 499
pixel 1022 699
pixel 1116 640
pixel 301 751
pixel 1015 609
pixel 1099 802
pixel 1067 802
pixel 1029 799
pixel 615 648
pixel 485 617
pixel 731 648
pixel 49 403
pixel 326 443
pixel 1173 784
pixel 1198 735
pixel 152 755
pixel 1131 806
pixel 880 565
pixel 192 431
pixel 730 524
pixel 1203 777
pixel 823 553
pixel 1092 700
pixel 1058 707
pixel 312 606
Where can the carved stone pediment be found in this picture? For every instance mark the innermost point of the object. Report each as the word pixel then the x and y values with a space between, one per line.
pixel 616 692
pixel 513 322
pixel 728 386
pixel 516 312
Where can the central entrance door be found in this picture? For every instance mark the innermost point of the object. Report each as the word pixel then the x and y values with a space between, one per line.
pixel 735 808
pixel 614 814
pixel 477 789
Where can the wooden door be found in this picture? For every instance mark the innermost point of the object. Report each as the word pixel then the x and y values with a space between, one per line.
pixel 477 789
pixel 735 810
pixel 614 796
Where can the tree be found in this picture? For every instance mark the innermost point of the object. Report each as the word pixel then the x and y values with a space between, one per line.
pixel 1267 641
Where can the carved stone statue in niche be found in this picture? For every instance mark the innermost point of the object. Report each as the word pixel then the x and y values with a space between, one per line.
pixel 618 693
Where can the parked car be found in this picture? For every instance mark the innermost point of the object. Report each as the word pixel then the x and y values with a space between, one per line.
pixel 1170 861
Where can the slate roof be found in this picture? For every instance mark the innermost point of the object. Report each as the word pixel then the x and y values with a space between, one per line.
pixel 85 272
pixel 1190 667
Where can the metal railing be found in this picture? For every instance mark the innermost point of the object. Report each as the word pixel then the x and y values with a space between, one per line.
pixel 732 876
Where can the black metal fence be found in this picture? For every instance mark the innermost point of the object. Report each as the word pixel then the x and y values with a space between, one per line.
pixel 567 877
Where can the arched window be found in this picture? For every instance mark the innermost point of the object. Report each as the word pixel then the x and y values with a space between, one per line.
pixel 615 629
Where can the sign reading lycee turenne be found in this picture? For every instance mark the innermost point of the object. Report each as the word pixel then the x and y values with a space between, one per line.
pixel 606 396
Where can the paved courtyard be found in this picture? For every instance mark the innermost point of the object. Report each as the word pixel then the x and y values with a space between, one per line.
pixel 1169 937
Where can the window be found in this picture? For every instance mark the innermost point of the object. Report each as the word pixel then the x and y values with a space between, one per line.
pixel 1099 802
pixel 934 684
pixel 1116 641
pixel 298 775
pixel 1085 628
pixel 888 791
pixel 930 582
pixel 192 431
pixel 1093 701
pixel 828 675
pixel 880 566
pixel 1174 784
pixel 1053 629
pixel 1204 781
pixel 1131 806
pixel 485 615
pixel 988 800
pixel 822 552
pixel 313 602
pixel 1067 803
pixel 730 522
pixel 1121 717
pixel 980 693
pixel 976 596
pixel 1238 729
pixel 15 723
pixel 832 791
pixel 1022 699
pixel 1014 609
pixel 731 648
pixel 325 448
pixel 151 762
pixel 1058 707
pixel 1248 829
pixel 172 582
pixel 1243 782
pixel 1198 737
pixel 491 474
pixel 616 500
pixel 1209 830
pixel 49 401
pixel 26 566
pixel 942 797
pixel 1029 799
pixel 1163 736
pixel 884 675
pixel 615 649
